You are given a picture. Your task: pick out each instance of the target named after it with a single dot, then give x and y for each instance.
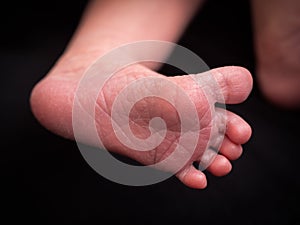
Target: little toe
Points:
(192, 177)
(230, 150)
(220, 166)
(237, 129)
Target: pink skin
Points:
(277, 37)
(52, 98)
(52, 101)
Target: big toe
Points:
(231, 84)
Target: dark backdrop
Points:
(44, 179)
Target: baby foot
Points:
(52, 101)
(277, 37)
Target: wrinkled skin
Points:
(52, 102)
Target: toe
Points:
(237, 130)
(234, 83)
(192, 177)
(231, 150)
(220, 166)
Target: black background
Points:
(44, 179)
